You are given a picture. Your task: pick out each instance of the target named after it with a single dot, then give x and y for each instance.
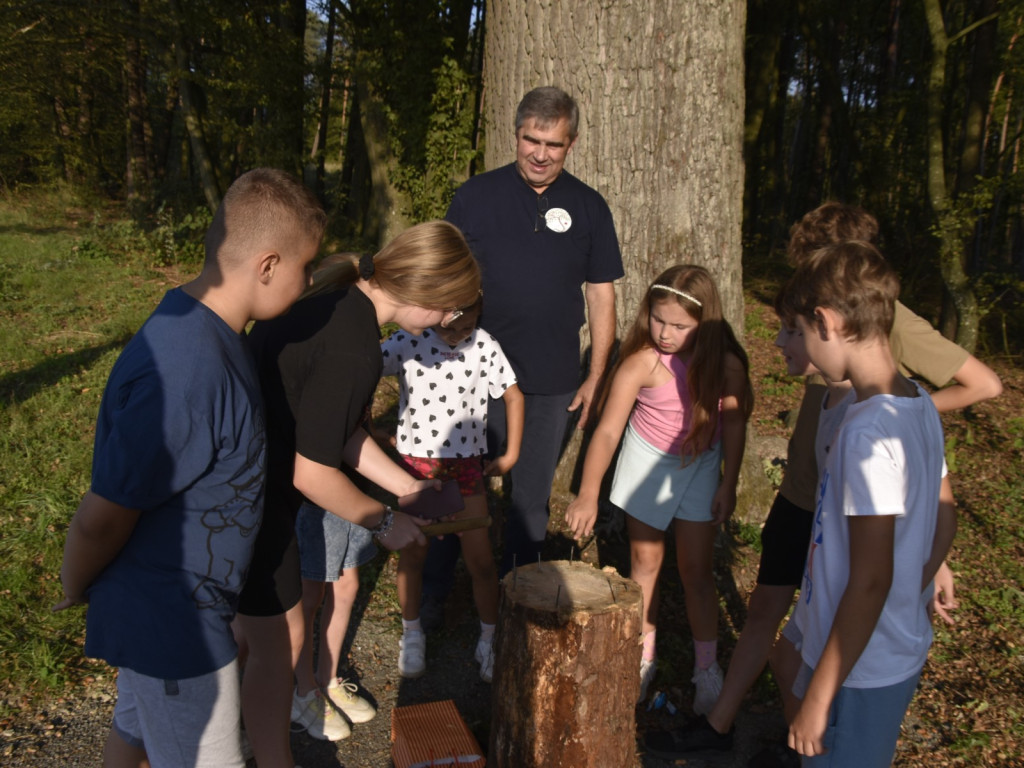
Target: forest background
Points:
(131, 117)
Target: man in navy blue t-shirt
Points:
(540, 236)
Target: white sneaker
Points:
(344, 696)
(647, 670)
(321, 721)
(412, 656)
(485, 658)
(709, 686)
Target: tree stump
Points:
(567, 668)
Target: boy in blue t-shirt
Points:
(160, 544)
(881, 526)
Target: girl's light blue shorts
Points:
(656, 488)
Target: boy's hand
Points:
(500, 465)
(807, 731)
(580, 516)
(944, 599)
(69, 602)
(723, 504)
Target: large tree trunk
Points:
(660, 89)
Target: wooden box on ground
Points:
(567, 668)
(432, 734)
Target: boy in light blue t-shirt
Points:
(861, 626)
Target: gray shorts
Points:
(328, 544)
(655, 488)
(195, 721)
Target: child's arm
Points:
(975, 382)
(366, 457)
(515, 410)
(734, 439)
(98, 532)
(945, 531)
(871, 566)
(581, 514)
(330, 488)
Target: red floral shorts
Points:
(469, 473)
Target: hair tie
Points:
(677, 292)
(366, 266)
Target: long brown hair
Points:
(715, 339)
(428, 265)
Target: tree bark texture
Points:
(660, 89)
(566, 672)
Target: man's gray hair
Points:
(548, 105)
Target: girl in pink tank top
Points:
(681, 393)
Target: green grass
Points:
(755, 326)
(72, 291)
(774, 384)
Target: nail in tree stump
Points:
(567, 668)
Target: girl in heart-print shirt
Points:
(446, 376)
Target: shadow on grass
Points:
(18, 387)
(24, 229)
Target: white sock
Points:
(411, 626)
(486, 631)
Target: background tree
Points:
(161, 102)
(660, 88)
(910, 110)
(412, 65)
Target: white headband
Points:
(677, 292)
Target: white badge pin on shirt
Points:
(558, 220)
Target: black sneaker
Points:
(775, 756)
(696, 736)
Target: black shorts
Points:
(274, 584)
(784, 540)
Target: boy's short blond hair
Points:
(851, 278)
(264, 208)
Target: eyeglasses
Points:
(541, 222)
(453, 315)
